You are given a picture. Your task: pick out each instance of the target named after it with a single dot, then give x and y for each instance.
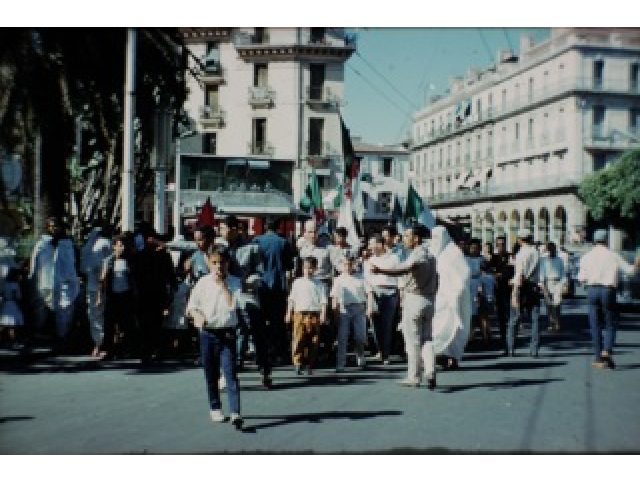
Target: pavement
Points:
(556, 403)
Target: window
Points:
(316, 81)
(490, 144)
(449, 155)
(478, 147)
(384, 203)
(598, 69)
(317, 35)
(545, 81)
(315, 136)
(598, 121)
(634, 122)
(260, 35)
(259, 136)
(599, 161)
(634, 77)
(212, 59)
(412, 160)
(209, 141)
(212, 97)
(479, 109)
(387, 164)
(440, 159)
(260, 75)
(517, 131)
(323, 182)
(530, 131)
(530, 93)
(490, 105)
(432, 187)
(504, 100)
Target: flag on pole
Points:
(312, 199)
(345, 219)
(397, 214)
(416, 210)
(206, 215)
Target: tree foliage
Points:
(613, 193)
(53, 79)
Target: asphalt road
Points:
(556, 403)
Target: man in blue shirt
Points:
(277, 262)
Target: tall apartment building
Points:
(507, 147)
(269, 93)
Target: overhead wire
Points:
(374, 87)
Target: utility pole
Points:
(128, 179)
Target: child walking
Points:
(307, 308)
(349, 303)
(213, 305)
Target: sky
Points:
(394, 70)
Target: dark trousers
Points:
(150, 321)
(503, 308)
(273, 303)
(529, 310)
(602, 318)
(252, 324)
(120, 318)
(383, 321)
(218, 351)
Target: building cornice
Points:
(295, 52)
(204, 34)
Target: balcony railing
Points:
(319, 95)
(260, 149)
(261, 96)
(212, 72)
(211, 116)
(245, 39)
(322, 149)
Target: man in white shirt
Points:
(383, 298)
(349, 301)
(599, 270)
(525, 299)
(213, 305)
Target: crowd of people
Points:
(419, 296)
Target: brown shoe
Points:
(599, 364)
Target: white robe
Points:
(452, 317)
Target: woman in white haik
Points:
(452, 317)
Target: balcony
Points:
(261, 97)
(320, 150)
(260, 149)
(212, 117)
(244, 39)
(212, 72)
(322, 97)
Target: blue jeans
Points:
(252, 323)
(218, 350)
(383, 321)
(602, 301)
(530, 312)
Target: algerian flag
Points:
(416, 210)
(396, 213)
(312, 198)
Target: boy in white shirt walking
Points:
(307, 309)
(212, 306)
(349, 303)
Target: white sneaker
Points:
(222, 383)
(217, 416)
(361, 361)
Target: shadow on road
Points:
(511, 365)
(319, 417)
(355, 378)
(16, 418)
(498, 385)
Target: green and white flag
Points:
(417, 210)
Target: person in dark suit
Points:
(277, 262)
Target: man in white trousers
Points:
(420, 285)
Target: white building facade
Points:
(271, 93)
(507, 147)
(383, 174)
